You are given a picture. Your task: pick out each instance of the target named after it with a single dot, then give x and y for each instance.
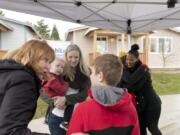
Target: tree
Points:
(55, 33)
(42, 29)
(165, 50)
(1, 13)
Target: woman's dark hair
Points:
(134, 50)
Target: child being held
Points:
(56, 86)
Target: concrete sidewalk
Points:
(38, 125)
(169, 120)
(170, 115)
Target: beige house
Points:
(158, 49)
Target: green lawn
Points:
(163, 83)
(41, 109)
(166, 83)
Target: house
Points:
(14, 33)
(158, 49)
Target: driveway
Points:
(169, 120)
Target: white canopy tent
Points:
(117, 15)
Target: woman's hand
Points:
(59, 102)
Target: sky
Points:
(62, 26)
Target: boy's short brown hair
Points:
(110, 66)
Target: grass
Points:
(164, 84)
(41, 109)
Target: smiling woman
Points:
(79, 82)
(137, 79)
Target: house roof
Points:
(27, 24)
(74, 29)
(90, 29)
(4, 26)
(175, 30)
(78, 28)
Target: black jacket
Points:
(82, 83)
(19, 91)
(138, 81)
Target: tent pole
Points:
(94, 44)
(129, 40)
(122, 42)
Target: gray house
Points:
(14, 33)
(158, 49)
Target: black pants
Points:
(49, 109)
(53, 124)
(149, 119)
(68, 113)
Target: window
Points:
(127, 46)
(141, 42)
(122, 47)
(102, 44)
(153, 45)
(160, 45)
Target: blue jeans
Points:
(53, 123)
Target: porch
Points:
(105, 41)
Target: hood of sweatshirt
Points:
(9, 65)
(114, 98)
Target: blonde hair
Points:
(30, 53)
(83, 67)
(110, 66)
(53, 64)
(66, 68)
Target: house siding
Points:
(112, 47)
(85, 43)
(28, 34)
(173, 61)
(71, 37)
(11, 40)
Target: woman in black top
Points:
(137, 79)
(20, 74)
(78, 79)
